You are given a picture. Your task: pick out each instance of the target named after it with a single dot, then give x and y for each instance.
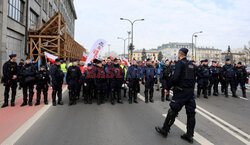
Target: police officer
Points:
(203, 73)
(10, 80)
(73, 80)
(229, 77)
(183, 81)
(166, 73)
(43, 81)
(149, 76)
(116, 82)
(214, 79)
(29, 77)
(241, 78)
(133, 81)
(57, 82)
(100, 81)
(125, 69)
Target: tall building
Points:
(151, 53)
(17, 17)
(208, 53)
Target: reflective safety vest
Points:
(63, 68)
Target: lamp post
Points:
(132, 31)
(124, 43)
(195, 45)
(193, 42)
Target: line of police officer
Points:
(103, 80)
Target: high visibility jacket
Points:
(125, 70)
(64, 68)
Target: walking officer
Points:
(73, 80)
(133, 81)
(149, 75)
(88, 82)
(28, 73)
(183, 81)
(43, 81)
(100, 82)
(10, 70)
(241, 78)
(57, 76)
(166, 73)
(229, 77)
(214, 79)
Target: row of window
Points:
(16, 10)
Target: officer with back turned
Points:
(203, 73)
(183, 81)
(57, 82)
(73, 80)
(10, 80)
(166, 73)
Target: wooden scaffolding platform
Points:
(53, 38)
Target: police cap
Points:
(184, 50)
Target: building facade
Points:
(151, 53)
(17, 17)
(207, 53)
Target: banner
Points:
(95, 51)
(50, 57)
(84, 56)
(126, 61)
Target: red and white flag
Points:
(50, 57)
(84, 56)
(126, 61)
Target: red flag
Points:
(50, 57)
(84, 56)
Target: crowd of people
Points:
(106, 80)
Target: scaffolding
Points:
(53, 38)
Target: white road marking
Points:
(27, 125)
(212, 119)
(224, 128)
(182, 126)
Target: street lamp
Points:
(193, 42)
(132, 31)
(124, 43)
(195, 45)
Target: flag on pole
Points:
(95, 51)
(84, 56)
(50, 57)
(125, 61)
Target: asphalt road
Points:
(126, 124)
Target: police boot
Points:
(54, 98)
(6, 101)
(45, 95)
(151, 92)
(169, 121)
(190, 128)
(112, 97)
(205, 92)
(234, 93)
(119, 99)
(135, 97)
(198, 92)
(124, 93)
(146, 95)
(75, 95)
(99, 97)
(70, 97)
(38, 97)
(30, 98)
(13, 97)
(162, 95)
(130, 96)
(209, 92)
(60, 98)
(244, 92)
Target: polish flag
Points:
(84, 56)
(50, 57)
(126, 61)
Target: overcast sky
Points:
(223, 22)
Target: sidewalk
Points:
(19, 93)
(13, 118)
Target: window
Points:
(50, 10)
(33, 20)
(15, 9)
(44, 5)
